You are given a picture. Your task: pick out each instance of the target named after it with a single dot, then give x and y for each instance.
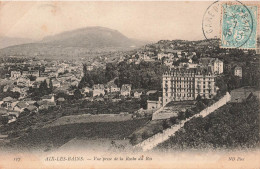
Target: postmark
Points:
(231, 24)
(238, 26)
(211, 21)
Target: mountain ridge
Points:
(75, 42)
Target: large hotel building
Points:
(186, 84)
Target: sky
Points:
(150, 21)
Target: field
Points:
(54, 137)
(89, 118)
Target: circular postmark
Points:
(231, 23)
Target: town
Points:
(159, 81)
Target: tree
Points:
(221, 84)
(198, 98)
(143, 101)
(173, 120)
(50, 85)
(165, 124)
(4, 120)
(145, 135)
(133, 139)
(32, 78)
(181, 115)
(77, 94)
(43, 86)
(84, 69)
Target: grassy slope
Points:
(232, 126)
(58, 135)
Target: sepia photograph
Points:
(129, 84)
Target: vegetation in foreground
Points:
(233, 126)
(53, 137)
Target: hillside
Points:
(233, 126)
(11, 41)
(80, 42)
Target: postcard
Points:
(129, 84)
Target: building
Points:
(22, 81)
(137, 94)
(15, 74)
(160, 56)
(98, 89)
(43, 104)
(114, 88)
(216, 64)
(238, 71)
(90, 67)
(56, 83)
(186, 84)
(5, 89)
(126, 89)
(151, 104)
(9, 102)
(241, 94)
(48, 98)
(31, 73)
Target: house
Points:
(241, 94)
(137, 94)
(98, 89)
(5, 89)
(90, 67)
(126, 89)
(55, 83)
(160, 56)
(23, 81)
(15, 74)
(21, 106)
(48, 98)
(151, 104)
(114, 88)
(238, 71)
(31, 73)
(31, 108)
(218, 66)
(43, 104)
(60, 99)
(9, 103)
(87, 89)
(74, 83)
(151, 92)
(16, 89)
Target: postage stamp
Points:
(238, 26)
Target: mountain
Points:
(11, 41)
(79, 42)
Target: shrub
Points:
(133, 139)
(173, 120)
(165, 124)
(145, 135)
(181, 115)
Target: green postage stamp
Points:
(239, 26)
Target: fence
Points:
(153, 141)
